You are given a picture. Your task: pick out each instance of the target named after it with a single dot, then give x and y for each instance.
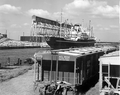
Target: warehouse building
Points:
(32, 38)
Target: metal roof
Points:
(111, 58)
(71, 54)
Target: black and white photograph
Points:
(59, 47)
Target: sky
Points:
(16, 16)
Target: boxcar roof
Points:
(111, 58)
(72, 53)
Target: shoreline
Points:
(20, 47)
(12, 72)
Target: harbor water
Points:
(11, 56)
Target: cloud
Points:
(107, 11)
(105, 28)
(6, 9)
(95, 8)
(15, 26)
(25, 24)
(110, 27)
(101, 28)
(1, 26)
(38, 12)
(77, 4)
(114, 26)
(57, 15)
(76, 7)
(4, 22)
(98, 25)
(7, 13)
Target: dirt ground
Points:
(21, 85)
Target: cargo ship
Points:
(63, 35)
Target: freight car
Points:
(75, 69)
(110, 74)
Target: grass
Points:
(12, 72)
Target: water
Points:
(11, 55)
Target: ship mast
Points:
(90, 28)
(82, 22)
(60, 22)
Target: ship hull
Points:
(61, 43)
